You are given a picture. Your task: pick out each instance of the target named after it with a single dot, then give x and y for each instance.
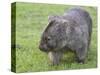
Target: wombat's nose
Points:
(42, 48)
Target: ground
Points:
(31, 20)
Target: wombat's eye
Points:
(46, 39)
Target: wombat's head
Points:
(53, 37)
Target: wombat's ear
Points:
(50, 18)
(51, 23)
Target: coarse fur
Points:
(69, 31)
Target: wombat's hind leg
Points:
(55, 57)
(81, 55)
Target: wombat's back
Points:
(80, 16)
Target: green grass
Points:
(31, 20)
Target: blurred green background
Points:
(31, 20)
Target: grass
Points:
(31, 20)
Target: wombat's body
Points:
(70, 31)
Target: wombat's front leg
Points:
(55, 57)
(81, 54)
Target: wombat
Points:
(71, 31)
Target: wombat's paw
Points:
(80, 61)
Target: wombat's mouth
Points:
(44, 49)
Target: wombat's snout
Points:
(43, 48)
